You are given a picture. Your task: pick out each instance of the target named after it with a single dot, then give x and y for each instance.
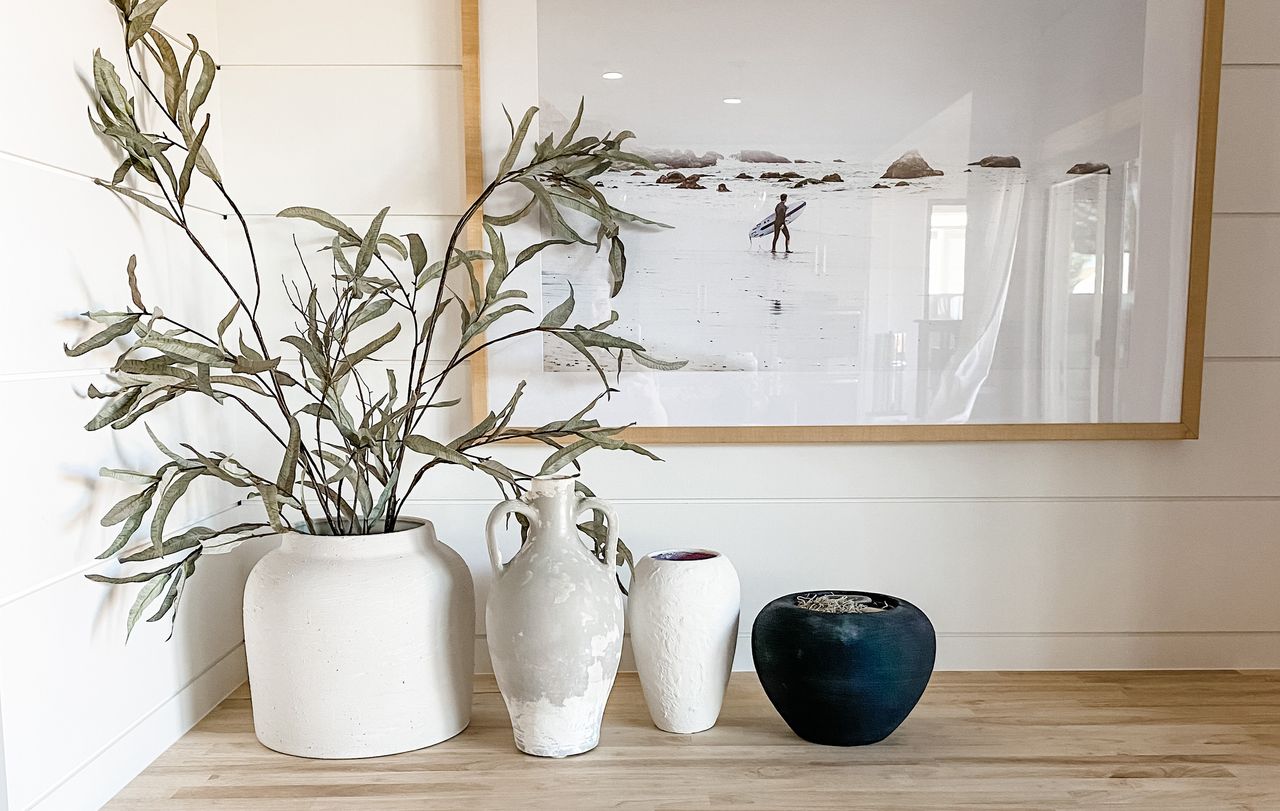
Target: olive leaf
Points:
(429, 447)
(145, 597)
(350, 360)
(174, 86)
(417, 254)
(107, 83)
(140, 19)
(558, 315)
(103, 337)
(617, 265)
(196, 353)
(645, 359)
(370, 243)
(204, 84)
(226, 321)
(132, 271)
(369, 311)
(139, 198)
(517, 141)
(565, 455)
(193, 158)
(323, 218)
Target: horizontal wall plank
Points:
(1248, 164)
(975, 568)
(55, 464)
(106, 772)
(334, 32)
(1213, 650)
(199, 17)
(77, 239)
(1244, 288)
(1238, 454)
(348, 140)
(52, 468)
(1249, 32)
(51, 689)
(48, 48)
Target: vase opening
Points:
(553, 485)
(844, 602)
(322, 529)
(685, 555)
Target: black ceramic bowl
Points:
(843, 679)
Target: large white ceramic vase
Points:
(683, 615)
(360, 645)
(554, 621)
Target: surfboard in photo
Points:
(765, 226)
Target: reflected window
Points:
(1086, 235)
(945, 272)
(1084, 267)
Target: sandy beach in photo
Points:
(703, 292)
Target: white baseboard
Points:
(1119, 650)
(109, 770)
(1087, 650)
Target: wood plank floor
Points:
(1187, 740)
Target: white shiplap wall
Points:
(1025, 555)
(81, 713)
(1124, 554)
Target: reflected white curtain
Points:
(991, 237)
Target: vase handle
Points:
(499, 514)
(611, 537)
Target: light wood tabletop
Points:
(1187, 740)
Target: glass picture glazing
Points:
(883, 212)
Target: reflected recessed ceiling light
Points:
(733, 100)
(613, 74)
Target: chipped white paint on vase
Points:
(360, 645)
(554, 620)
(683, 615)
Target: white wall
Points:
(82, 713)
(1026, 555)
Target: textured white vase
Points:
(683, 615)
(360, 646)
(554, 622)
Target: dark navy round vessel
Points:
(843, 679)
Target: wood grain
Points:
(1202, 216)
(478, 366)
(978, 740)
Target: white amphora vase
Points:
(683, 615)
(360, 645)
(554, 621)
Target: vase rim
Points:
(696, 555)
(404, 526)
(552, 484)
(789, 601)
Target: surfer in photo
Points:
(780, 225)
(776, 223)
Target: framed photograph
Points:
(892, 220)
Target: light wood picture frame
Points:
(490, 54)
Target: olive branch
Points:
(351, 453)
